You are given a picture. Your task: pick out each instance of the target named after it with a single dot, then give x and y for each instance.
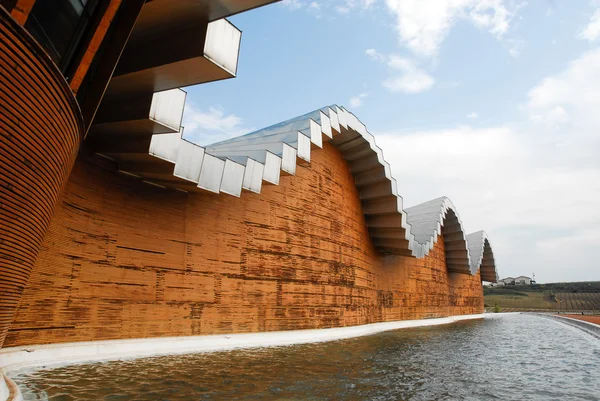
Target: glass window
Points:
(59, 26)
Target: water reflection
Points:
(516, 357)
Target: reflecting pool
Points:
(503, 357)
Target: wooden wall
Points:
(125, 260)
(40, 130)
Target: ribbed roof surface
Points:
(482, 256)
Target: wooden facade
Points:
(123, 259)
(88, 254)
(40, 131)
(42, 126)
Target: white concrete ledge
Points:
(4, 391)
(589, 327)
(18, 358)
(9, 391)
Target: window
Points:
(59, 26)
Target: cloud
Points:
(533, 184)
(209, 126)
(340, 6)
(405, 76)
(515, 47)
(293, 4)
(490, 15)
(592, 31)
(357, 101)
(367, 3)
(472, 115)
(360, 4)
(342, 9)
(375, 55)
(570, 99)
(422, 25)
(410, 82)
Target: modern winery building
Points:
(112, 226)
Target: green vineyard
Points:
(559, 297)
(578, 301)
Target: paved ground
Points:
(588, 318)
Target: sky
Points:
(493, 103)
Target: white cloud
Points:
(339, 6)
(362, 4)
(533, 185)
(472, 115)
(515, 47)
(491, 15)
(313, 5)
(411, 82)
(423, 25)
(214, 125)
(552, 117)
(405, 75)
(592, 31)
(499, 183)
(571, 96)
(342, 9)
(357, 101)
(293, 4)
(375, 55)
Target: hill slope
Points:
(558, 297)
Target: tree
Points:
(496, 308)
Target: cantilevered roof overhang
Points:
(158, 13)
(177, 43)
(203, 52)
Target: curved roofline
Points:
(437, 217)
(393, 230)
(483, 260)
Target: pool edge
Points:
(14, 359)
(9, 391)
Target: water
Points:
(509, 357)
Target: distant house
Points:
(523, 280)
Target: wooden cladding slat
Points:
(126, 260)
(40, 131)
(21, 10)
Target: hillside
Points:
(559, 297)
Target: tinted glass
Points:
(58, 25)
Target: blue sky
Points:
(493, 103)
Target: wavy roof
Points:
(482, 256)
(243, 163)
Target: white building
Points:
(523, 280)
